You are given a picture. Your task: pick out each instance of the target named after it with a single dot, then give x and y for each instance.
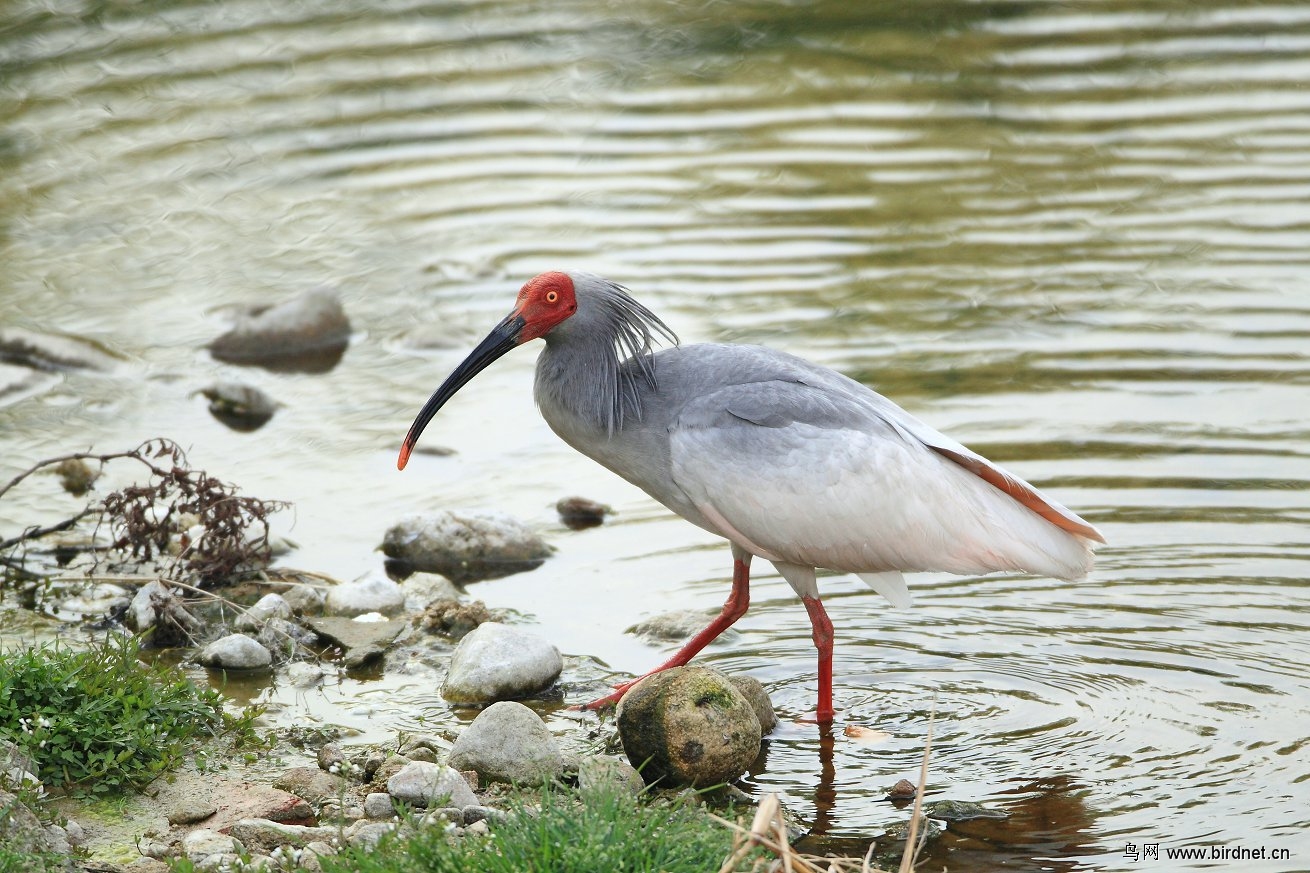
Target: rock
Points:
(304, 598)
(283, 638)
(688, 726)
(758, 698)
(377, 804)
(306, 334)
(203, 843)
(370, 594)
(673, 626)
(76, 476)
(14, 758)
(312, 784)
(156, 609)
(428, 742)
(904, 789)
(451, 618)
(262, 835)
(190, 810)
(268, 607)
(235, 652)
(331, 755)
(309, 857)
(303, 674)
(899, 832)
(52, 352)
(389, 767)
(21, 831)
(243, 408)
(360, 641)
(423, 784)
(99, 599)
(366, 835)
(604, 771)
(961, 810)
(424, 588)
(478, 827)
(499, 662)
(464, 546)
(508, 742)
(579, 512)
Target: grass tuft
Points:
(100, 721)
(604, 831)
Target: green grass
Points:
(607, 831)
(100, 721)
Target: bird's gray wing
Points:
(817, 475)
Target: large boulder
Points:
(688, 726)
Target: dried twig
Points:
(912, 841)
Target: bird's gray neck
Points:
(588, 384)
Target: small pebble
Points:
(902, 790)
(578, 513)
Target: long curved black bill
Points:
(502, 338)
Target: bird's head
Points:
(619, 326)
(542, 305)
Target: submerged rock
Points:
(688, 726)
(307, 334)
(76, 476)
(673, 626)
(241, 407)
(499, 662)
(508, 742)
(579, 512)
(961, 810)
(236, 652)
(464, 546)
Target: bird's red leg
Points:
(733, 609)
(823, 642)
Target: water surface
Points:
(1074, 237)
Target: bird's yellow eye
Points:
(552, 296)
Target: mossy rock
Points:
(688, 726)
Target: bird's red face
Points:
(543, 303)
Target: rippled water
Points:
(1076, 238)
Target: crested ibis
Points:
(786, 460)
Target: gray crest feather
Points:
(611, 340)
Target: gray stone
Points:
(899, 832)
(157, 609)
(499, 662)
(239, 406)
(422, 588)
(508, 742)
(306, 333)
(672, 626)
(304, 598)
(312, 784)
(361, 641)
(422, 783)
(365, 834)
(303, 674)
(378, 805)
(758, 698)
(430, 742)
(604, 772)
(49, 351)
(203, 843)
(14, 758)
(465, 546)
(235, 652)
(364, 596)
(262, 835)
(688, 726)
(98, 599)
(961, 810)
(331, 755)
(190, 810)
(267, 607)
